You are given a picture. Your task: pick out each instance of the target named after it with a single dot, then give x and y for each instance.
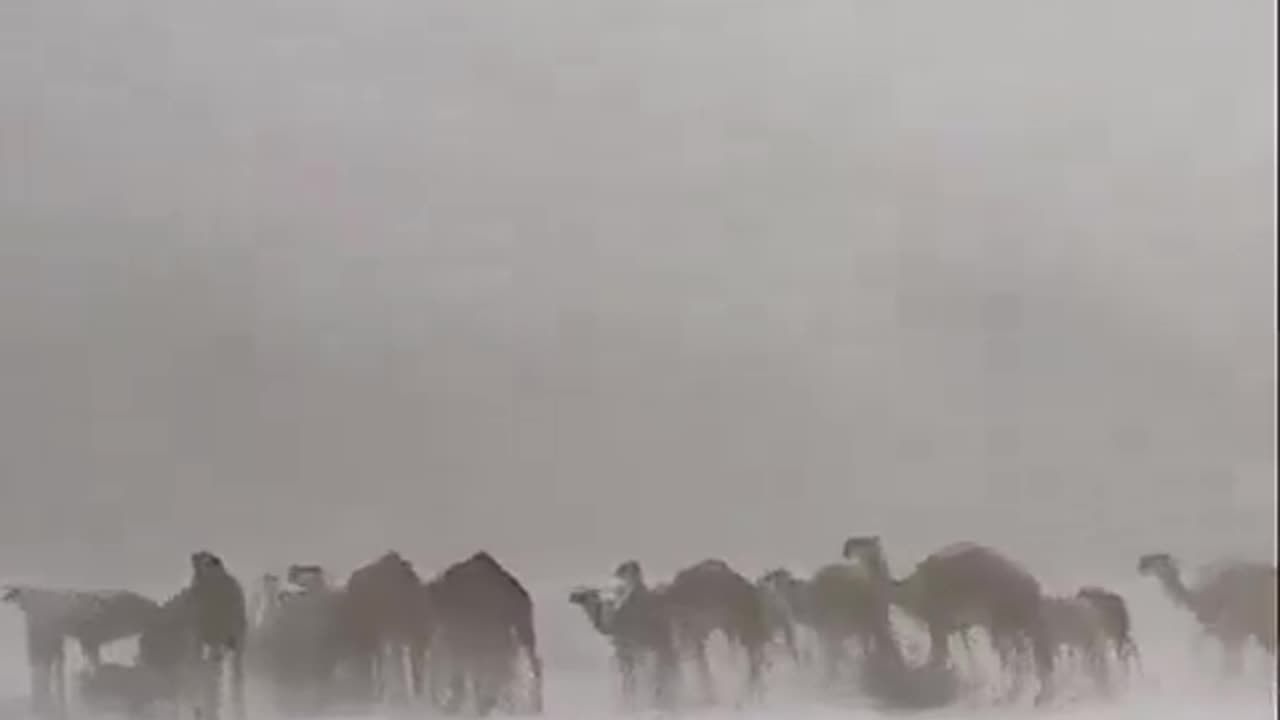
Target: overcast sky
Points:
(582, 280)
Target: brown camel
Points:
(92, 618)
(1233, 602)
(962, 586)
(482, 621)
(781, 595)
(1116, 625)
(195, 633)
(266, 600)
(708, 597)
(637, 623)
(221, 624)
(382, 610)
(300, 648)
(1078, 632)
(633, 642)
(840, 604)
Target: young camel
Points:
(1235, 602)
(1116, 625)
(962, 586)
(1077, 631)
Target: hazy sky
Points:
(577, 280)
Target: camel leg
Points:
(704, 672)
(1042, 653)
(92, 654)
(39, 689)
(627, 677)
(60, 686)
(238, 708)
(939, 653)
(755, 671)
(416, 664)
(1132, 658)
(833, 652)
(485, 684)
(1007, 653)
(1232, 656)
(457, 686)
(666, 675)
(213, 684)
(535, 669)
(789, 640)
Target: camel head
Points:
(584, 597)
(778, 578)
(307, 577)
(1161, 565)
(630, 574)
(780, 583)
(205, 564)
(599, 608)
(860, 547)
(270, 584)
(866, 551)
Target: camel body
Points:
(93, 618)
(1233, 602)
(968, 585)
(481, 622)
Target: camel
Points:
(707, 597)
(307, 578)
(1077, 629)
(780, 594)
(301, 646)
(220, 622)
(966, 585)
(266, 601)
(481, 621)
(382, 611)
(198, 631)
(1116, 624)
(1233, 602)
(637, 623)
(92, 618)
(839, 604)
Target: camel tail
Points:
(527, 638)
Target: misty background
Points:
(575, 281)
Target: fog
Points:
(578, 281)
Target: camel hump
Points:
(712, 576)
(839, 579)
(973, 555)
(971, 568)
(960, 549)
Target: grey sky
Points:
(577, 280)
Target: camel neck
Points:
(1178, 591)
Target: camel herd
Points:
(464, 640)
